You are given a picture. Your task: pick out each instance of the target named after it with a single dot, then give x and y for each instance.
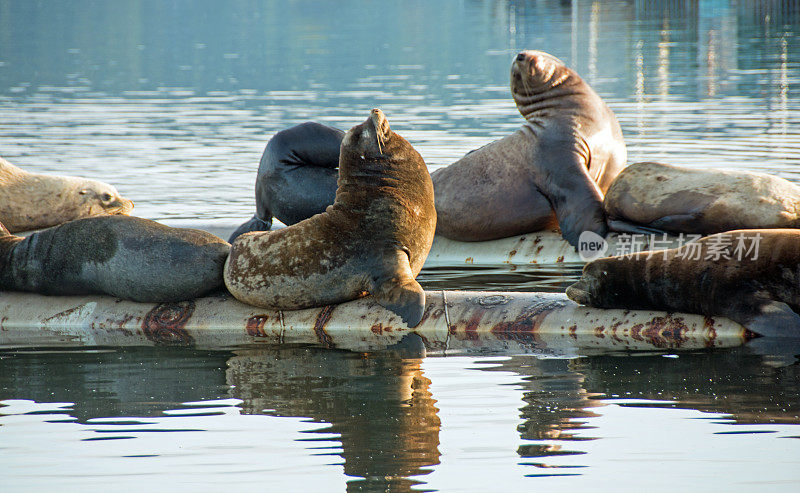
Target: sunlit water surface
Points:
(173, 103)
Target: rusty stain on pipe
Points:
(165, 324)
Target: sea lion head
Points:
(98, 198)
(595, 277)
(369, 139)
(534, 72)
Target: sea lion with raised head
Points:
(372, 240)
(749, 276)
(127, 257)
(30, 201)
(562, 159)
(704, 201)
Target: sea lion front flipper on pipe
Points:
(396, 290)
(573, 194)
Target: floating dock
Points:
(453, 321)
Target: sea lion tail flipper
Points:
(780, 327)
(622, 226)
(767, 318)
(677, 222)
(254, 224)
(396, 290)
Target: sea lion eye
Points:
(83, 192)
(106, 197)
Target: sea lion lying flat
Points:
(127, 257)
(562, 158)
(372, 240)
(683, 200)
(749, 276)
(31, 201)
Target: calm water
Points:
(173, 103)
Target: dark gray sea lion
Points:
(684, 200)
(297, 176)
(127, 257)
(749, 276)
(372, 240)
(30, 201)
(562, 159)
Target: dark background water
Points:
(173, 102)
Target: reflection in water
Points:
(560, 396)
(378, 410)
(530, 278)
(378, 403)
(113, 382)
(746, 386)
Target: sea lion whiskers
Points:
(380, 141)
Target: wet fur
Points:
(127, 257)
(761, 294)
(373, 239)
(30, 201)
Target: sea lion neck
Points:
(364, 176)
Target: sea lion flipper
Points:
(396, 289)
(677, 222)
(621, 226)
(573, 194)
(406, 300)
(254, 224)
(767, 318)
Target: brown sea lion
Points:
(562, 159)
(31, 201)
(127, 257)
(708, 201)
(749, 276)
(373, 239)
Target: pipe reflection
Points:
(561, 396)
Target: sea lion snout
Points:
(379, 123)
(370, 136)
(578, 293)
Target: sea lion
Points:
(127, 257)
(372, 240)
(749, 276)
(296, 177)
(31, 201)
(684, 200)
(562, 159)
